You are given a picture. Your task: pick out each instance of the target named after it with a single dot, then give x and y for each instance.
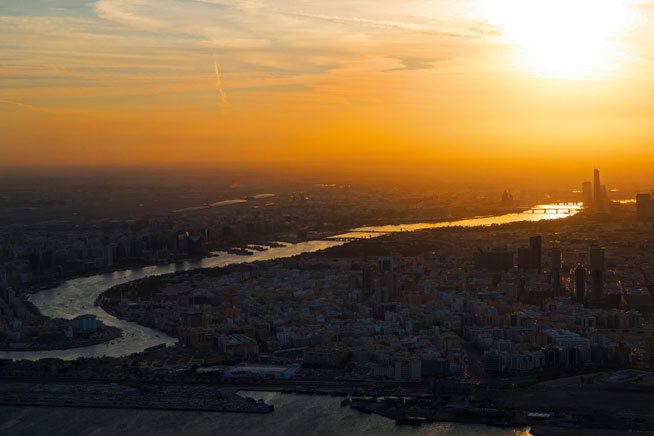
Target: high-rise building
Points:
(596, 258)
(641, 205)
(530, 257)
(644, 207)
(587, 193)
(536, 245)
(596, 188)
(597, 271)
(556, 272)
(507, 199)
(580, 284)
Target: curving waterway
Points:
(77, 296)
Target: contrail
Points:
(219, 85)
(28, 106)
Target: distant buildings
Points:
(507, 199)
(556, 272)
(594, 194)
(597, 191)
(644, 207)
(580, 284)
(334, 355)
(496, 260)
(86, 323)
(576, 347)
(259, 371)
(597, 270)
(530, 258)
(238, 346)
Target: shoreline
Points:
(245, 259)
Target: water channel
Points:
(77, 296)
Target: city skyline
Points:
(329, 218)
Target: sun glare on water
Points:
(561, 38)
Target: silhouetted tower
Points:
(597, 271)
(597, 193)
(536, 245)
(642, 203)
(556, 272)
(580, 284)
(507, 199)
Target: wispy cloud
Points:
(124, 11)
(400, 25)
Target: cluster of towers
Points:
(530, 258)
(596, 277)
(594, 193)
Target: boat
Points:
(275, 245)
(240, 252)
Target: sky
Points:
(453, 85)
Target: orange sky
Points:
(465, 83)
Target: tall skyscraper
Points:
(530, 257)
(645, 207)
(641, 205)
(536, 244)
(507, 199)
(556, 272)
(597, 193)
(580, 284)
(597, 271)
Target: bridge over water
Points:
(565, 208)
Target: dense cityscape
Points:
(443, 317)
(326, 218)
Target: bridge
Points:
(564, 208)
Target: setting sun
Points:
(569, 39)
(219, 216)
(430, 83)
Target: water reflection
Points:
(536, 213)
(77, 296)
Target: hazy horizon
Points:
(424, 177)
